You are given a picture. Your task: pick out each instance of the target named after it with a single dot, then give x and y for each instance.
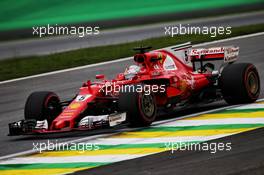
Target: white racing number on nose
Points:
(80, 98)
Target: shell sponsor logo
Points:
(68, 113)
(183, 85)
(74, 105)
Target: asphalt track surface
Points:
(14, 94)
(49, 45)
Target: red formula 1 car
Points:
(169, 78)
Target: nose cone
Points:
(60, 124)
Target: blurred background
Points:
(17, 17)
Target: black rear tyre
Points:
(141, 107)
(240, 83)
(42, 105)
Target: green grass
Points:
(25, 14)
(19, 67)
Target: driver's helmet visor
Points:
(131, 71)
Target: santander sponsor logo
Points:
(214, 50)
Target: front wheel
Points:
(141, 107)
(240, 83)
(42, 105)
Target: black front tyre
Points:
(240, 83)
(141, 107)
(42, 105)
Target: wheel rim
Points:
(148, 106)
(253, 83)
(52, 106)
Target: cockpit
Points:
(131, 72)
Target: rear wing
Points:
(189, 55)
(227, 53)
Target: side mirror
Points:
(100, 76)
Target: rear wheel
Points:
(140, 107)
(240, 83)
(42, 105)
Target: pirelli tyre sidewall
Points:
(140, 107)
(240, 83)
(42, 105)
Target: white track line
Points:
(72, 159)
(117, 141)
(32, 151)
(122, 59)
(230, 39)
(250, 106)
(225, 121)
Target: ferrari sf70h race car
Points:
(169, 79)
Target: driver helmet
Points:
(131, 72)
